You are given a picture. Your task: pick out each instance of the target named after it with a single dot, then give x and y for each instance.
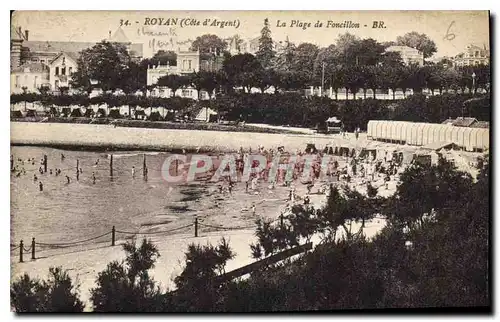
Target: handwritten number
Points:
(449, 35)
(124, 22)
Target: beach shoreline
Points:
(109, 138)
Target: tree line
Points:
(350, 63)
(289, 109)
(432, 253)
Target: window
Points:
(42, 60)
(189, 65)
(56, 84)
(184, 64)
(477, 54)
(57, 71)
(70, 70)
(63, 71)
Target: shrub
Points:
(127, 286)
(57, 294)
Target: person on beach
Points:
(133, 171)
(246, 186)
(81, 171)
(62, 157)
(40, 185)
(93, 178)
(50, 171)
(40, 170)
(68, 179)
(253, 209)
(309, 188)
(97, 162)
(35, 178)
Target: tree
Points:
(57, 294)
(196, 287)
(208, 44)
(241, 70)
(204, 80)
(354, 80)
(369, 52)
(284, 59)
(391, 58)
(106, 63)
(303, 59)
(127, 286)
(163, 57)
(418, 41)
(174, 82)
(265, 55)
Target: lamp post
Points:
(322, 78)
(474, 83)
(25, 90)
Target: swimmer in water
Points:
(97, 162)
(67, 178)
(62, 157)
(81, 171)
(133, 171)
(35, 177)
(93, 177)
(50, 171)
(40, 185)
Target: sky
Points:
(450, 30)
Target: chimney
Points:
(26, 35)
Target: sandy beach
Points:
(220, 214)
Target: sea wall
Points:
(93, 136)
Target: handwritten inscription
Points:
(449, 35)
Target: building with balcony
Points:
(409, 55)
(187, 62)
(29, 78)
(59, 58)
(473, 55)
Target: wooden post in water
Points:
(196, 227)
(113, 236)
(111, 165)
(144, 171)
(77, 170)
(45, 163)
(21, 246)
(33, 248)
